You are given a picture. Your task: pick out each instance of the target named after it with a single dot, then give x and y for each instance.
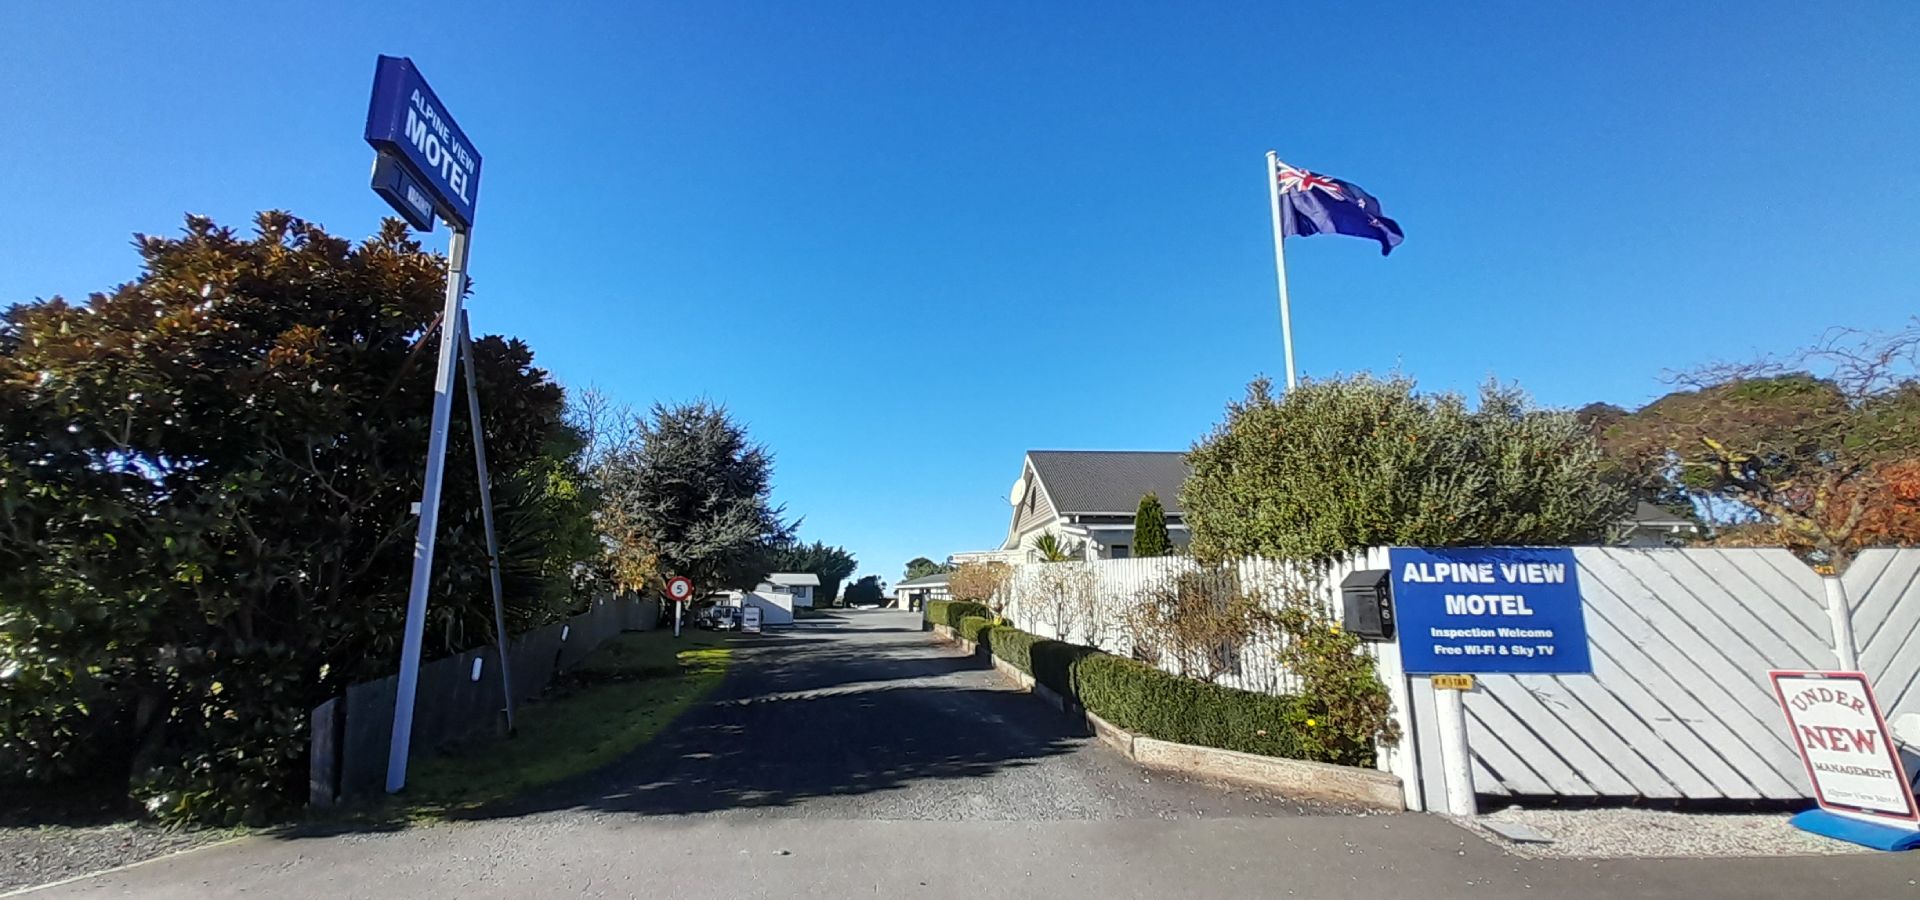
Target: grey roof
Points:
(923, 581)
(1645, 513)
(1110, 481)
(794, 578)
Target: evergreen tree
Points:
(1150, 528)
(920, 567)
(867, 590)
(696, 491)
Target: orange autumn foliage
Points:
(1892, 518)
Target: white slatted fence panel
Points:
(1678, 705)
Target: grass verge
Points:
(614, 701)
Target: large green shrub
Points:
(206, 475)
(1338, 465)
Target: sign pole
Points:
(486, 516)
(1280, 261)
(416, 627)
(1456, 765)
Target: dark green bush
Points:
(1334, 465)
(1143, 699)
(1140, 698)
(950, 612)
(973, 628)
(205, 479)
(1052, 663)
(934, 612)
(1013, 645)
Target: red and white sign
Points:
(1844, 741)
(679, 589)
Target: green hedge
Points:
(972, 627)
(1148, 701)
(1012, 644)
(934, 612)
(1143, 699)
(950, 612)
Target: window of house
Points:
(1120, 551)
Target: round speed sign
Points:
(679, 589)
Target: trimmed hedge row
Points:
(950, 612)
(1148, 701)
(971, 627)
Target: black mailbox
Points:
(1367, 604)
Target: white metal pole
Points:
(416, 627)
(486, 516)
(1456, 765)
(1280, 261)
(1841, 617)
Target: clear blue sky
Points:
(906, 242)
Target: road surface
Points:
(857, 757)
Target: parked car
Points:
(719, 618)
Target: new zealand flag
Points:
(1313, 204)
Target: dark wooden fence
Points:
(454, 701)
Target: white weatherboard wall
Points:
(1678, 705)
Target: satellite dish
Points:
(1019, 491)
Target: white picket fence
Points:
(1678, 705)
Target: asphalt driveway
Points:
(863, 716)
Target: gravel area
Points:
(1655, 834)
(40, 854)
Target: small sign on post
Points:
(679, 591)
(1452, 682)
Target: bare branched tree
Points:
(1196, 622)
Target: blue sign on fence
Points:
(1489, 611)
(406, 121)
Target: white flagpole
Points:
(1280, 261)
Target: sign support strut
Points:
(486, 517)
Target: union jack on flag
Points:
(1311, 203)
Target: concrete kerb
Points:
(1291, 777)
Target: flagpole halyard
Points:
(1280, 262)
